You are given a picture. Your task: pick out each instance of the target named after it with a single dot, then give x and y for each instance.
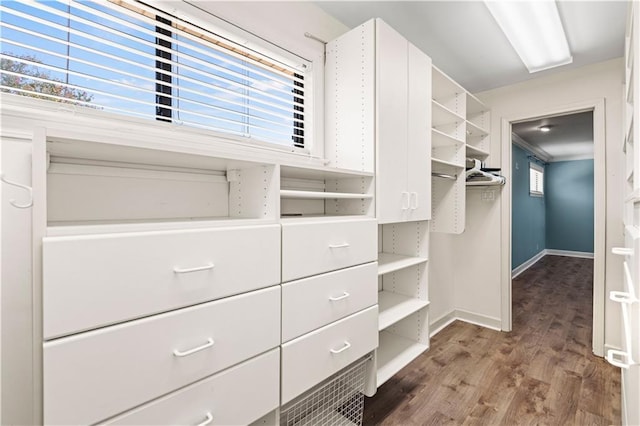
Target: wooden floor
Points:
(543, 372)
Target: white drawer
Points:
(309, 359)
(310, 248)
(313, 302)
(236, 396)
(95, 375)
(91, 281)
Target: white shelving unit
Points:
(325, 192)
(402, 296)
(628, 357)
(460, 130)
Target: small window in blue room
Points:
(536, 180)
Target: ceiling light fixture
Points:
(544, 129)
(534, 30)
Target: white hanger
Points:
(12, 201)
(475, 171)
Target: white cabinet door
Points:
(391, 105)
(419, 135)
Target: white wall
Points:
(597, 81)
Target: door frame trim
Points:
(600, 210)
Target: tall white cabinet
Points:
(628, 357)
(389, 79)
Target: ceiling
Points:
(465, 42)
(570, 137)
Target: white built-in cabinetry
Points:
(170, 273)
(460, 130)
(378, 89)
(628, 356)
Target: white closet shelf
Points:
(390, 262)
(475, 131)
(634, 197)
(474, 106)
(630, 85)
(56, 229)
(317, 195)
(441, 115)
(395, 352)
(393, 307)
(443, 85)
(314, 172)
(449, 164)
(475, 152)
(440, 138)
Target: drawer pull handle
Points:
(414, 200)
(344, 296)
(208, 420)
(405, 200)
(622, 251)
(196, 269)
(621, 297)
(343, 245)
(615, 357)
(194, 350)
(346, 346)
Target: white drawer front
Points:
(91, 281)
(313, 302)
(236, 396)
(308, 360)
(310, 248)
(95, 375)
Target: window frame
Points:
(534, 189)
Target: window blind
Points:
(536, 179)
(127, 57)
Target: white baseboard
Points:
(569, 253)
(528, 264)
(548, 252)
(436, 326)
(477, 319)
(461, 315)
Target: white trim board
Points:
(528, 264)
(569, 253)
(465, 316)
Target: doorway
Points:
(596, 111)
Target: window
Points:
(126, 57)
(536, 180)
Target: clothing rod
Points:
(445, 176)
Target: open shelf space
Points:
(317, 195)
(390, 262)
(439, 138)
(442, 166)
(473, 152)
(394, 307)
(395, 352)
(441, 115)
(475, 131)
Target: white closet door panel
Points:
(310, 248)
(313, 302)
(308, 360)
(419, 135)
(95, 375)
(90, 281)
(236, 396)
(391, 121)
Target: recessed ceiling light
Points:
(534, 30)
(544, 129)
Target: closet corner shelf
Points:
(634, 197)
(442, 115)
(437, 161)
(475, 152)
(394, 353)
(390, 262)
(317, 195)
(473, 130)
(394, 307)
(441, 138)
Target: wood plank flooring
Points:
(543, 372)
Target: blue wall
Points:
(569, 200)
(528, 215)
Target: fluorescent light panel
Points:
(534, 30)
